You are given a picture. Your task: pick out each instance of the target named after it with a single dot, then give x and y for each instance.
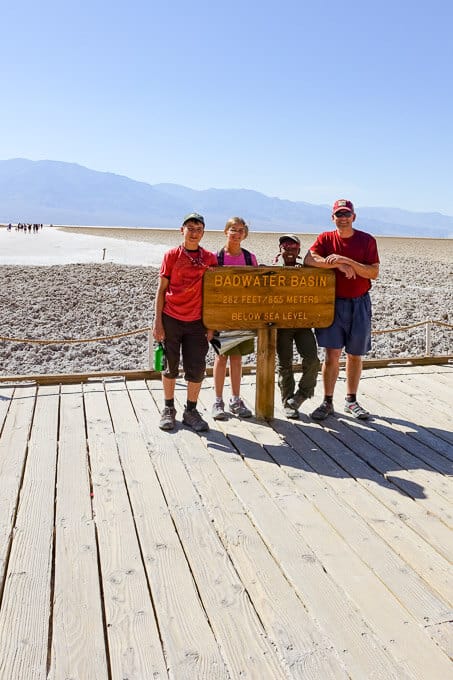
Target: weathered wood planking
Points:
(18, 406)
(190, 646)
(231, 615)
(133, 640)
(78, 646)
(26, 600)
(388, 621)
(281, 549)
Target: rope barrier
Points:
(414, 325)
(73, 341)
(140, 331)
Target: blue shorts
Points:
(351, 327)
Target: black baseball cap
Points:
(196, 217)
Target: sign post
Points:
(264, 299)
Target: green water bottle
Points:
(159, 357)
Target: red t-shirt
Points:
(360, 247)
(184, 269)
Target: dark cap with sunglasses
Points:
(342, 204)
(193, 217)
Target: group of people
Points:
(352, 254)
(25, 227)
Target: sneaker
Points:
(354, 409)
(238, 407)
(295, 401)
(292, 413)
(324, 410)
(218, 410)
(167, 418)
(194, 420)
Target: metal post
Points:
(428, 339)
(150, 351)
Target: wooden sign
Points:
(260, 297)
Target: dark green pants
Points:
(305, 342)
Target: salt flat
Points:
(50, 246)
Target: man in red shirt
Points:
(354, 256)
(178, 320)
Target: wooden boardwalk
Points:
(256, 550)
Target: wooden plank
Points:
(432, 384)
(190, 647)
(6, 397)
(265, 375)
(407, 433)
(426, 525)
(315, 446)
(411, 591)
(78, 643)
(25, 611)
(13, 451)
(399, 434)
(134, 646)
(238, 630)
(359, 648)
(420, 486)
(437, 427)
(398, 631)
(395, 458)
(71, 378)
(300, 643)
(412, 386)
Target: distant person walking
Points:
(236, 230)
(178, 321)
(303, 338)
(354, 256)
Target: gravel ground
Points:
(92, 300)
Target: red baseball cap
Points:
(342, 204)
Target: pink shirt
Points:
(238, 260)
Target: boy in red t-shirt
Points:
(178, 321)
(354, 256)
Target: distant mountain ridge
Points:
(54, 192)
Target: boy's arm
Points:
(158, 328)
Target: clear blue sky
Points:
(303, 100)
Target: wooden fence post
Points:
(265, 372)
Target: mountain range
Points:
(54, 192)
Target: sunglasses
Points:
(343, 213)
(289, 245)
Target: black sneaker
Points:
(194, 420)
(292, 413)
(168, 418)
(295, 401)
(325, 409)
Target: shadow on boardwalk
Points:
(256, 550)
